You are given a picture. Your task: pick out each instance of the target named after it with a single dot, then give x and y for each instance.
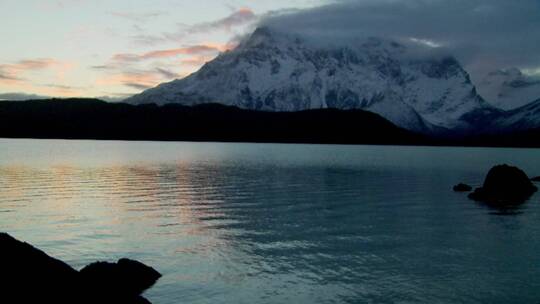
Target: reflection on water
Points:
(236, 223)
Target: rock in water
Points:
(31, 276)
(536, 179)
(126, 277)
(462, 188)
(505, 185)
(28, 272)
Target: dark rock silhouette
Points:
(462, 188)
(31, 276)
(505, 186)
(126, 277)
(536, 179)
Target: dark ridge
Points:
(96, 119)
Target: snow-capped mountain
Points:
(274, 71)
(509, 89)
(523, 118)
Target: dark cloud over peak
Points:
(484, 35)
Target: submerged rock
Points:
(536, 179)
(462, 188)
(31, 276)
(505, 185)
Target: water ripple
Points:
(302, 224)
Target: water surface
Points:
(265, 223)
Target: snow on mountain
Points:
(509, 89)
(523, 118)
(274, 71)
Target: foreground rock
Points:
(505, 186)
(127, 277)
(462, 188)
(31, 276)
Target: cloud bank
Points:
(485, 35)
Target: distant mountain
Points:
(523, 118)
(274, 71)
(509, 89)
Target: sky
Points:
(116, 48)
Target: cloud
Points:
(189, 50)
(135, 79)
(137, 86)
(138, 79)
(484, 35)
(237, 18)
(101, 67)
(12, 72)
(144, 70)
(6, 76)
(166, 73)
(196, 49)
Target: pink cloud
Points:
(190, 50)
(197, 49)
(11, 73)
(138, 79)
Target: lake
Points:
(270, 223)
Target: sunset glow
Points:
(102, 49)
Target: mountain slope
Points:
(273, 71)
(523, 118)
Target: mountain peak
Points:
(261, 35)
(275, 71)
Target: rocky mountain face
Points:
(509, 89)
(273, 71)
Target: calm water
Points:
(254, 223)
